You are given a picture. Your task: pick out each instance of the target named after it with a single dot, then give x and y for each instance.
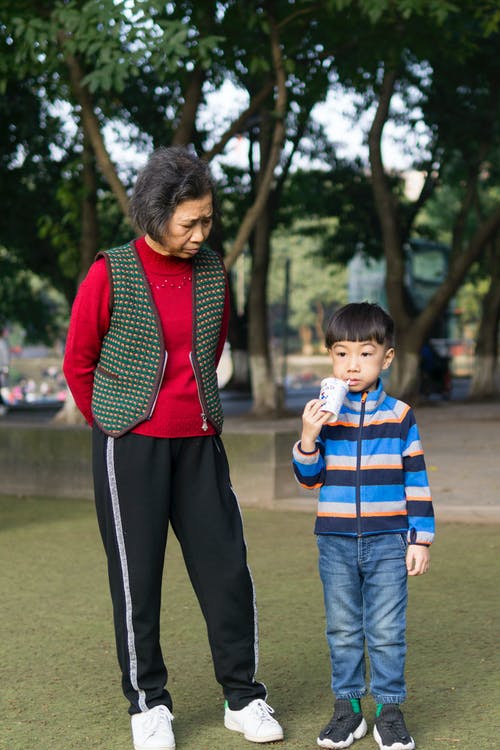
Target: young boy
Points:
(374, 525)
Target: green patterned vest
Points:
(128, 375)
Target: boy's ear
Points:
(388, 357)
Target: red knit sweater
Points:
(178, 411)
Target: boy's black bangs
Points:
(358, 331)
(360, 322)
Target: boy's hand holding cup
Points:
(324, 409)
(332, 394)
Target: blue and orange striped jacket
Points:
(370, 468)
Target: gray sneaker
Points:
(390, 730)
(344, 727)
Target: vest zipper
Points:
(159, 385)
(358, 462)
(204, 418)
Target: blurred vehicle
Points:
(435, 370)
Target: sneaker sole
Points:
(396, 746)
(276, 737)
(163, 747)
(356, 735)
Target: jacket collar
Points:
(373, 399)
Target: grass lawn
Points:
(60, 686)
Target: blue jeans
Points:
(365, 591)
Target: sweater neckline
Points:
(162, 264)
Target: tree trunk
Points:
(184, 133)
(69, 413)
(273, 154)
(412, 330)
(89, 239)
(483, 383)
(387, 207)
(267, 396)
(404, 380)
(306, 340)
(319, 325)
(240, 377)
(238, 341)
(265, 392)
(404, 377)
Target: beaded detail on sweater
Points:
(171, 282)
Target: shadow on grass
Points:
(60, 682)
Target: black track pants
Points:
(141, 484)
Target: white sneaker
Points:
(152, 730)
(255, 722)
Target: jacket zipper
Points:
(358, 462)
(159, 385)
(204, 418)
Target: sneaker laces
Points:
(342, 715)
(262, 710)
(394, 721)
(155, 719)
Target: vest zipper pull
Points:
(204, 425)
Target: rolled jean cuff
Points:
(393, 699)
(352, 695)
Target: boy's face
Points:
(360, 362)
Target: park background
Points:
(355, 145)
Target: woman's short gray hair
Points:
(170, 176)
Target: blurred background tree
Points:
(89, 87)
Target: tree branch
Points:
(470, 200)
(185, 130)
(428, 188)
(239, 124)
(299, 134)
(456, 273)
(274, 155)
(384, 201)
(92, 129)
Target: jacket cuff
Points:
(304, 457)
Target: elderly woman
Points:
(147, 329)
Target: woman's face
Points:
(187, 228)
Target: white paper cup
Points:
(333, 392)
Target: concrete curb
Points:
(460, 441)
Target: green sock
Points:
(379, 709)
(356, 707)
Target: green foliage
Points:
(30, 301)
(138, 59)
(115, 40)
(374, 10)
(468, 301)
(343, 193)
(317, 287)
